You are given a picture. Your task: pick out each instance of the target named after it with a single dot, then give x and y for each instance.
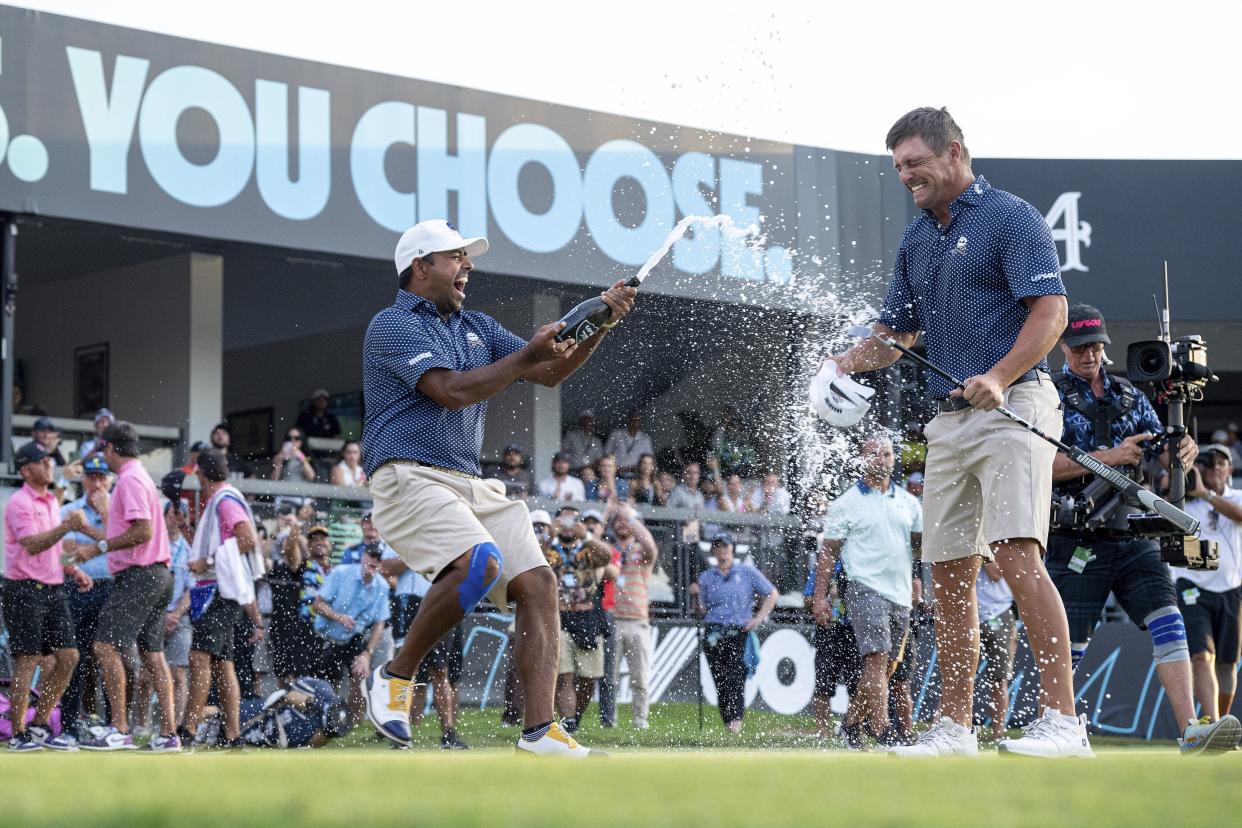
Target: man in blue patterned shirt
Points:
(429, 368)
(977, 273)
(1111, 419)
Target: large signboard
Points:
(1117, 222)
(106, 124)
(1116, 684)
(110, 124)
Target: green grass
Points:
(669, 775)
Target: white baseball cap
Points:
(541, 516)
(433, 236)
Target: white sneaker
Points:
(1204, 737)
(556, 742)
(102, 737)
(1052, 735)
(388, 704)
(946, 738)
(44, 736)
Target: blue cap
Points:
(104, 412)
(95, 465)
(43, 424)
(723, 537)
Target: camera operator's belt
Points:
(454, 472)
(951, 404)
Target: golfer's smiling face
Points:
(931, 179)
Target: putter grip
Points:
(1174, 515)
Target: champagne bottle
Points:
(584, 319)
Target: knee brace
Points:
(1168, 635)
(478, 583)
(1226, 678)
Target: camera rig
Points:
(1174, 373)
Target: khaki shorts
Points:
(988, 479)
(582, 663)
(431, 518)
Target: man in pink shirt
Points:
(35, 607)
(136, 543)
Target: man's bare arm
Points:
(871, 354)
(456, 390)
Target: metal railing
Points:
(776, 545)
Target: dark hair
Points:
(123, 438)
(404, 277)
(214, 465)
(373, 551)
(935, 126)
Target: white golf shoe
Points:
(946, 738)
(1051, 736)
(556, 742)
(388, 704)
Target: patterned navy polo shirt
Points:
(963, 285)
(403, 342)
(1079, 432)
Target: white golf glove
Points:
(837, 399)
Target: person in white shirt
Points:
(562, 485)
(629, 444)
(581, 444)
(770, 498)
(876, 528)
(998, 641)
(349, 471)
(1210, 599)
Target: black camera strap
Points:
(1101, 414)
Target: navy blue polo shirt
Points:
(402, 343)
(962, 285)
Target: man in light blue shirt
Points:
(875, 527)
(350, 610)
(84, 607)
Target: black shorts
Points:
(1131, 570)
(904, 671)
(1212, 621)
(836, 660)
(215, 628)
(446, 654)
(134, 612)
(37, 615)
(336, 657)
(294, 647)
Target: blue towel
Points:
(750, 656)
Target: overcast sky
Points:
(1051, 78)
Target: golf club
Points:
(1132, 492)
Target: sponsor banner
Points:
(167, 134)
(1116, 684)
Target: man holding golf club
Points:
(977, 273)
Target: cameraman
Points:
(1111, 419)
(1210, 599)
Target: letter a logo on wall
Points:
(1073, 233)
